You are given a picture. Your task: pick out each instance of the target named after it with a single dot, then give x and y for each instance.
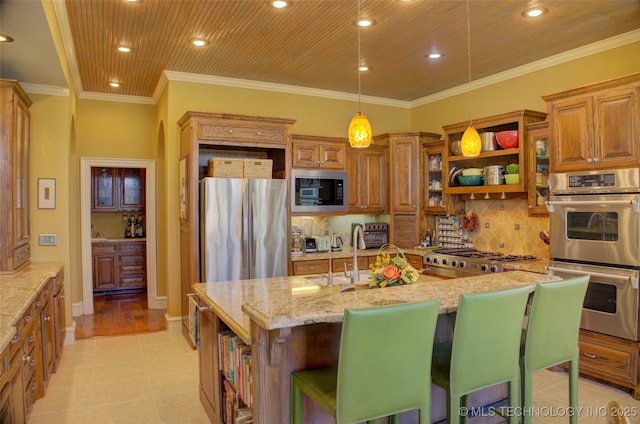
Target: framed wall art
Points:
(46, 193)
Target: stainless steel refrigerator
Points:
(243, 229)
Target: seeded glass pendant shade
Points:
(359, 128)
(471, 145)
(359, 131)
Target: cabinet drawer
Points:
(103, 247)
(310, 267)
(132, 281)
(613, 363)
(415, 261)
(22, 255)
(131, 248)
(131, 261)
(220, 131)
(338, 264)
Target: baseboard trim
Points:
(70, 334)
(157, 302)
(76, 309)
(174, 324)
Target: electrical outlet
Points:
(47, 240)
(516, 227)
(501, 206)
(487, 225)
(501, 245)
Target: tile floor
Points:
(144, 378)
(152, 378)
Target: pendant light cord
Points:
(469, 61)
(359, 61)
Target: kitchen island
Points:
(292, 323)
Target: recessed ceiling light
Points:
(114, 84)
(279, 4)
(363, 68)
(365, 22)
(124, 49)
(199, 42)
(534, 12)
(4, 38)
(434, 55)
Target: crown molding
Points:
(107, 97)
(67, 42)
(281, 88)
(568, 56)
(48, 90)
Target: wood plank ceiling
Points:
(314, 43)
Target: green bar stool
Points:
(383, 368)
(552, 335)
(485, 349)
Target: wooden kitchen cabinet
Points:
(119, 266)
(406, 183)
(117, 189)
(537, 173)
(59, 317)
(321, 266)
(209, 373)
(596, 126)
(104, 258)
(47, 331)
(15, 121)
(317, 152)
(367, 171)
(517, 120)
(610, 358)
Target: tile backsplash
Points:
(502, 226)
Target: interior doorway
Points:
(153, 301)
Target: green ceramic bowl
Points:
(513, 168)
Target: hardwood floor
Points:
(119, 314)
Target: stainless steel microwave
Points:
(316, 191)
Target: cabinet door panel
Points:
(617, 129)
(104, 272)
(352, 167)
(374, 188)
(573, 132)
(132, 182)
(332, 156)
(305, 156)
(105, 189)
(404, 157)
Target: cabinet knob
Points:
(590, 160)
(258, 132)
(47, 318)
(230, 131)
(530, 206)
(596, 160)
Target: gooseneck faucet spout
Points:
(358, 243)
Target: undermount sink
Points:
(339, 279)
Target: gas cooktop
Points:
(467, 262)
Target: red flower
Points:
(391, 272)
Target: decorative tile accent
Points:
(525, 241)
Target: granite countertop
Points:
(534, 265)
(284, 302)
(18, 290)
(118, 239)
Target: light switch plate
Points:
(47, 239)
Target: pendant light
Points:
(471, 145)
(359, 128)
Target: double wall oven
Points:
(595, 229)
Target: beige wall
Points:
(61, 136)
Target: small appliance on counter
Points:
(323, 243)
(336, 243)
(375, 234)
(296, 241)
(309, 245)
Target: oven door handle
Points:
(632, 280)
(551, 204)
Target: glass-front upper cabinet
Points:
(434, 200)
(538, 170)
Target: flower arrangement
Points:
(391, 270)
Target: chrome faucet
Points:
(358, 242)
(330, 276)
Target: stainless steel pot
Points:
(494, 175)
(488, 141)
